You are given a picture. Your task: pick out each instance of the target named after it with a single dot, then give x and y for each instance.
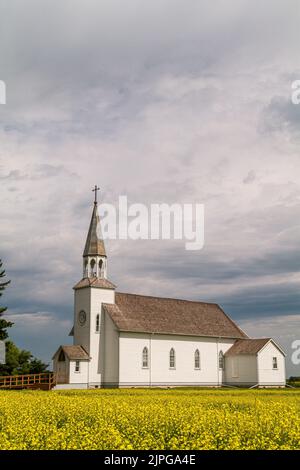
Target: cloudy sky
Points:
(185, 101)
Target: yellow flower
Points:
(175, 419)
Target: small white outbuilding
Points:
(258, 362)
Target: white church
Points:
(129, 340)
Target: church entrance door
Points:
(62, 372)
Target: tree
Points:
(4, 324)
(20, 362)
(37, 366)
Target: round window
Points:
(82, 317)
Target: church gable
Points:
(250, 346)
(73, 352)
(138, 313)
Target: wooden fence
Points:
(44, 381)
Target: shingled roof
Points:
(101, 283)
(94, 245)
(247, 346)
(139, 313)
(73, 352)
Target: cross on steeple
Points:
(95, 190)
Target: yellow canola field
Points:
(150, 419)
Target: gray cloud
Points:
(164, 101)
(14, 175)
(250, 177)
(281, 114)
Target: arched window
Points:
(197, 359)
(61, 356)
(93, 273)
(172, 358)
(100, 267)
(97, 323)
(145, 358)
(221, 360)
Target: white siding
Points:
(111, 352)
(267, 376)
(241, 370)
(159, 373)
(80, 377)
(98, 296)
(130, 359)
(90, 300)
(70, 386)
(82, 301)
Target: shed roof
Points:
(247, 346)
(73, 352)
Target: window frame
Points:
(172, 359)
(97, 326)
(93, 265)
(77, 367)
(274, 363)
(197, 359)
(100, 267)
(145, 353)
(221, 358)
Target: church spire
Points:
(94, 255)
(94, 244)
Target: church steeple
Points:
(94, 245)
(94, 255)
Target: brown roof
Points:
(247, 346)
(94, 245)
(94, 282)
(74, 352)
(139, 313)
